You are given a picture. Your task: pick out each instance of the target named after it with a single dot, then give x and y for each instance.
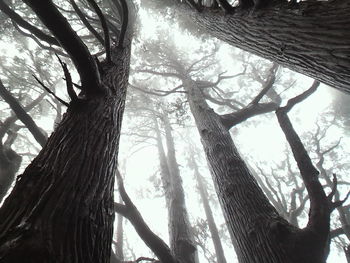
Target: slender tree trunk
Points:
(260, 234)
(181, 239)
(219, 251)
(120, 236)
(62, 208)
(294, 36)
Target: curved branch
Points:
(107, 42)
(23, 115)
(129, 210)
(70, 41)
(124, 18)
(21, 22)
(83, 19)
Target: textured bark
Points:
(219, 251)
(294, 36)
(259, 233)
(61, 209)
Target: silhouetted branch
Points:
(50, 92)
(129, 210)
(70, 41)
(23, 23)
(73, 96)
(83, 19)
(107, 42)
(23, 115)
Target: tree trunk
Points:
(219, 251)
(294, 36)
(62, 208)
(10, 162)
(120, 236)
(259, 234)
(181, 239)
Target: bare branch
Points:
(50, 92)
(73, 96)
(340, 202)
(156, 244)
(300, 97)
(70, 41)
(105, 29)
(23, 115)
(125, 17)
(83, 19)
(23, 23)
(270, 81)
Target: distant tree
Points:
(260, 234)
(219, 251)
(61, 208)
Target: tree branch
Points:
(129, 210)
(319, 204)
(234, 118)
(71, 42)
(107, 42)
(23, 23)
(23, 115)
(83, 19)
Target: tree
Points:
(260, 234)
(45, 218)
(219, 252)
(291, 33)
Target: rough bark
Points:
(62, 208)
(294, 36)
(247, 211)
(259, 233)
(219, 251)
(66, 193)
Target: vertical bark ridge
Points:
(247, 211)
(62, 208)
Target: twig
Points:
(50, 92)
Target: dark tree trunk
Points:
(62, 208)
(10, 162)
(219, 251)
(294, 36)
(259, 234)
(347, 253)
(181, 239)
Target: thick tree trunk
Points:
(62, 208)
(259, 234)
(219, 251)
(294, 36)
